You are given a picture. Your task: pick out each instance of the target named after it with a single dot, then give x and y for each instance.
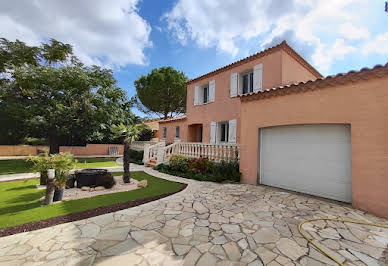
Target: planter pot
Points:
(58, 194)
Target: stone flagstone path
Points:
(207, 224)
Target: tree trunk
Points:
(53, 143)
(126, 159)
(50, 188)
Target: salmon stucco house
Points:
(291, 127)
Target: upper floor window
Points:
(164, 132)
(177, 132)
(204, 94)
(247, 82)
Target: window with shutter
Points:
(232, 131)
(258, 78)
(233, 84)
(212, 88)
(196, 95)
(213, 128)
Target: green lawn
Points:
(19, 199)
(23, 166)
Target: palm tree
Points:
(127, 133)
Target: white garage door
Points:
(314, 159)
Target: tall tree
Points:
(51, 94)
(162, 92)
(127, 133)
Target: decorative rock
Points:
(266, 235)
(142, 183)
(230, 228)
(85, 188)
(232, 251)
(99, 188)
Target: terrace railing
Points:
(214, 152)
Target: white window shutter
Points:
(196, 95)
(232, 131)
(212, 89)
(233, 84)
(213, 129)
(258, 78)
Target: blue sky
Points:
(135, 36)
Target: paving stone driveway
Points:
(206, 224)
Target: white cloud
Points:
(324, 56)
(378, 45)
(351, 32)
(309, 25)
(102, 32)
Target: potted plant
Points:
(41, 163)
(62, 163)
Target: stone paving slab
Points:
(207, 224)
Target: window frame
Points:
(249, 74)
(177, 132)
(203, 94)
(164, 132)
(223, 131)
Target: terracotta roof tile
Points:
(338, 79)
(172, 119)
(283, 45)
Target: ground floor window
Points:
(164, 132)
(224, 131)
(177, 132)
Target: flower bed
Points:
(201, 169)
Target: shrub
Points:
(205, 170)
(223, 171)
(41, 163)
(179, 163)
(136, 156)
(200, 165)
(107, 180)
(62, 163)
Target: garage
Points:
(313, 159)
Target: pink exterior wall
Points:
(91, 149)
(293, 71)
(171, 125)
(224, 107)
(363, 105)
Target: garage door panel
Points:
(314, 159)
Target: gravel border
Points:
(71, 217)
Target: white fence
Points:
(214, 152)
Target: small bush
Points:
(204, 170)
(136, 156)
(107, 180)
(179, 163)
(200, 166)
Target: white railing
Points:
(214, 152)
(139, 145)
(151, 151)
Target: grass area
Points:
(23, 166)
(19, 200)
